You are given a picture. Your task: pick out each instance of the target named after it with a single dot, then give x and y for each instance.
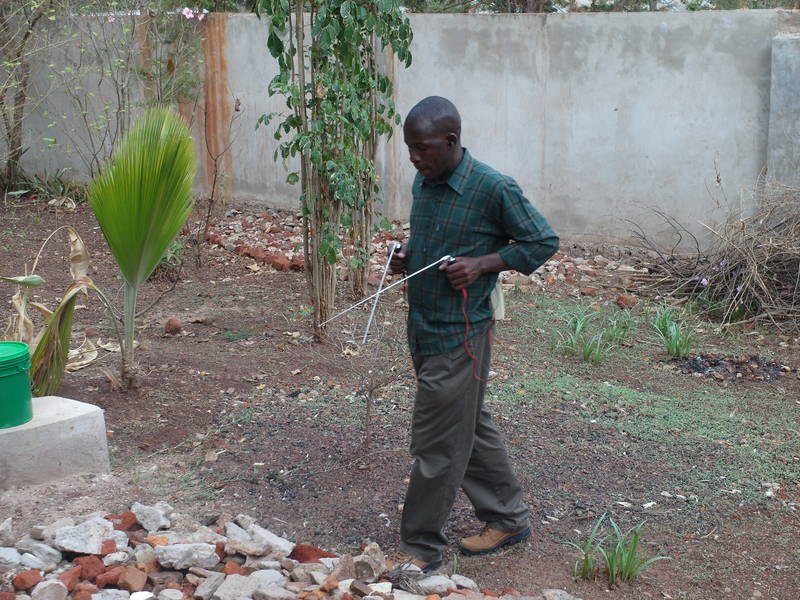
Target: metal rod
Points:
(395, 246)
(445, 258)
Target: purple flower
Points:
(187, 12)
(111, 18)
(704, 281)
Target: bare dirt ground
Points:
(243, 412)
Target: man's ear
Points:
(452, 139)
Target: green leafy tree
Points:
(339, 103)
(141, 200)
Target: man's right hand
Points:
(398, 263)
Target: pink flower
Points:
(704, 281)
(111, 18)
(200, 17)
(187, 12)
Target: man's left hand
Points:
(463, 272)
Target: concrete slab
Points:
(63, 438)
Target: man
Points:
(465, 209)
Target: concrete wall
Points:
(600, 117)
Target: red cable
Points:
(464, 297)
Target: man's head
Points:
(432, 132)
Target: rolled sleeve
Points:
(534, 240)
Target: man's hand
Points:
(463, 272)
(398, 263)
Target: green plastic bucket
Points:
(15, 385)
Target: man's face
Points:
(429, 151)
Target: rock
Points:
(304, 553)
(245, 521)
(278, 547)
(268, 577)
(50, 590)
(91, 567)
(153, 518)
(235, 587)
(303, 572)
(435, 584)
(345, 568)
(626, 300)
(110, 577)
(29, 561)
(142, 596)
(10, 558)
(557, 595)
(234, 568)
(403, 595)
(183, 556)
(37, 532)
(112, 595)
(587, 291)
(464, 583)
(7, 533)
(170, 594)
(235, 533)
(359, 588)
(273, 592)
(71, 577)
(8, 596)
(116, 558)
(384, 587)
(109, 546)
(132, 579)
(255, 563)
(49, 532)
(86, 538)
(209, 585)
(123, 521)
(27, 579)
(370, 564)
(205, 535)
(49, 556)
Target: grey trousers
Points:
(455, 444)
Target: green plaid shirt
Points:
(476, 211)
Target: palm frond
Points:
(143, 198)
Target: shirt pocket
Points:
(485, 239)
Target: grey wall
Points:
(600, 117)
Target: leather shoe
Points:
(489, 540)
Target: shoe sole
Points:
(429, 568)
(514, 539)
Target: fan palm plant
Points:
(141, 200)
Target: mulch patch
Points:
(732, 368)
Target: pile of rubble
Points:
(155, 553)
(275, 238)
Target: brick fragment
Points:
(8, 596)
(587, 291)
(626, 300)
(82, 596)
(157, 540)
(359, 588)
(85, 586)
(330, 584)
(123, 521)
(91, 567)
(219, 548)
(27, 579)
(108, 547)
(71, 577)
(234, 568)
(305, 553)
(110, 577)
(132, 579)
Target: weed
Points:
(570, 341)
(677, 338)
(586, 565)
(622, 558)
(595, 348)
(170, 265)
(235, 336)
(619, 327)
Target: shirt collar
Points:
(458, 178)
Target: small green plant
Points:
(586, 565)
(622, 558)
(621, 554)
(570, 341)
(676, 336)
(170, 265)
(664, 316)
(595, 348)
(619, 327)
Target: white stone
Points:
(403, 595)
(183, 556)
(64, 437)
(205, 535)
(259, 562)
(142, 596)
(329, 562)
(235, 587)
(558, 595)
(49, 556)
(208, 586)
(85, 538)
(120, 539)
(235, 533)
(278, 547)
(29, 561)
(384, 587)
(49, 590)
(435, 584)
(115, 558)
(49, 532)
(152, 518)
(464, 583)
(268, 577)
(273, 592)
(245, 521)
(113, 595)
(168, 594)
(9, 558)
(370, 564)
(7, 533)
